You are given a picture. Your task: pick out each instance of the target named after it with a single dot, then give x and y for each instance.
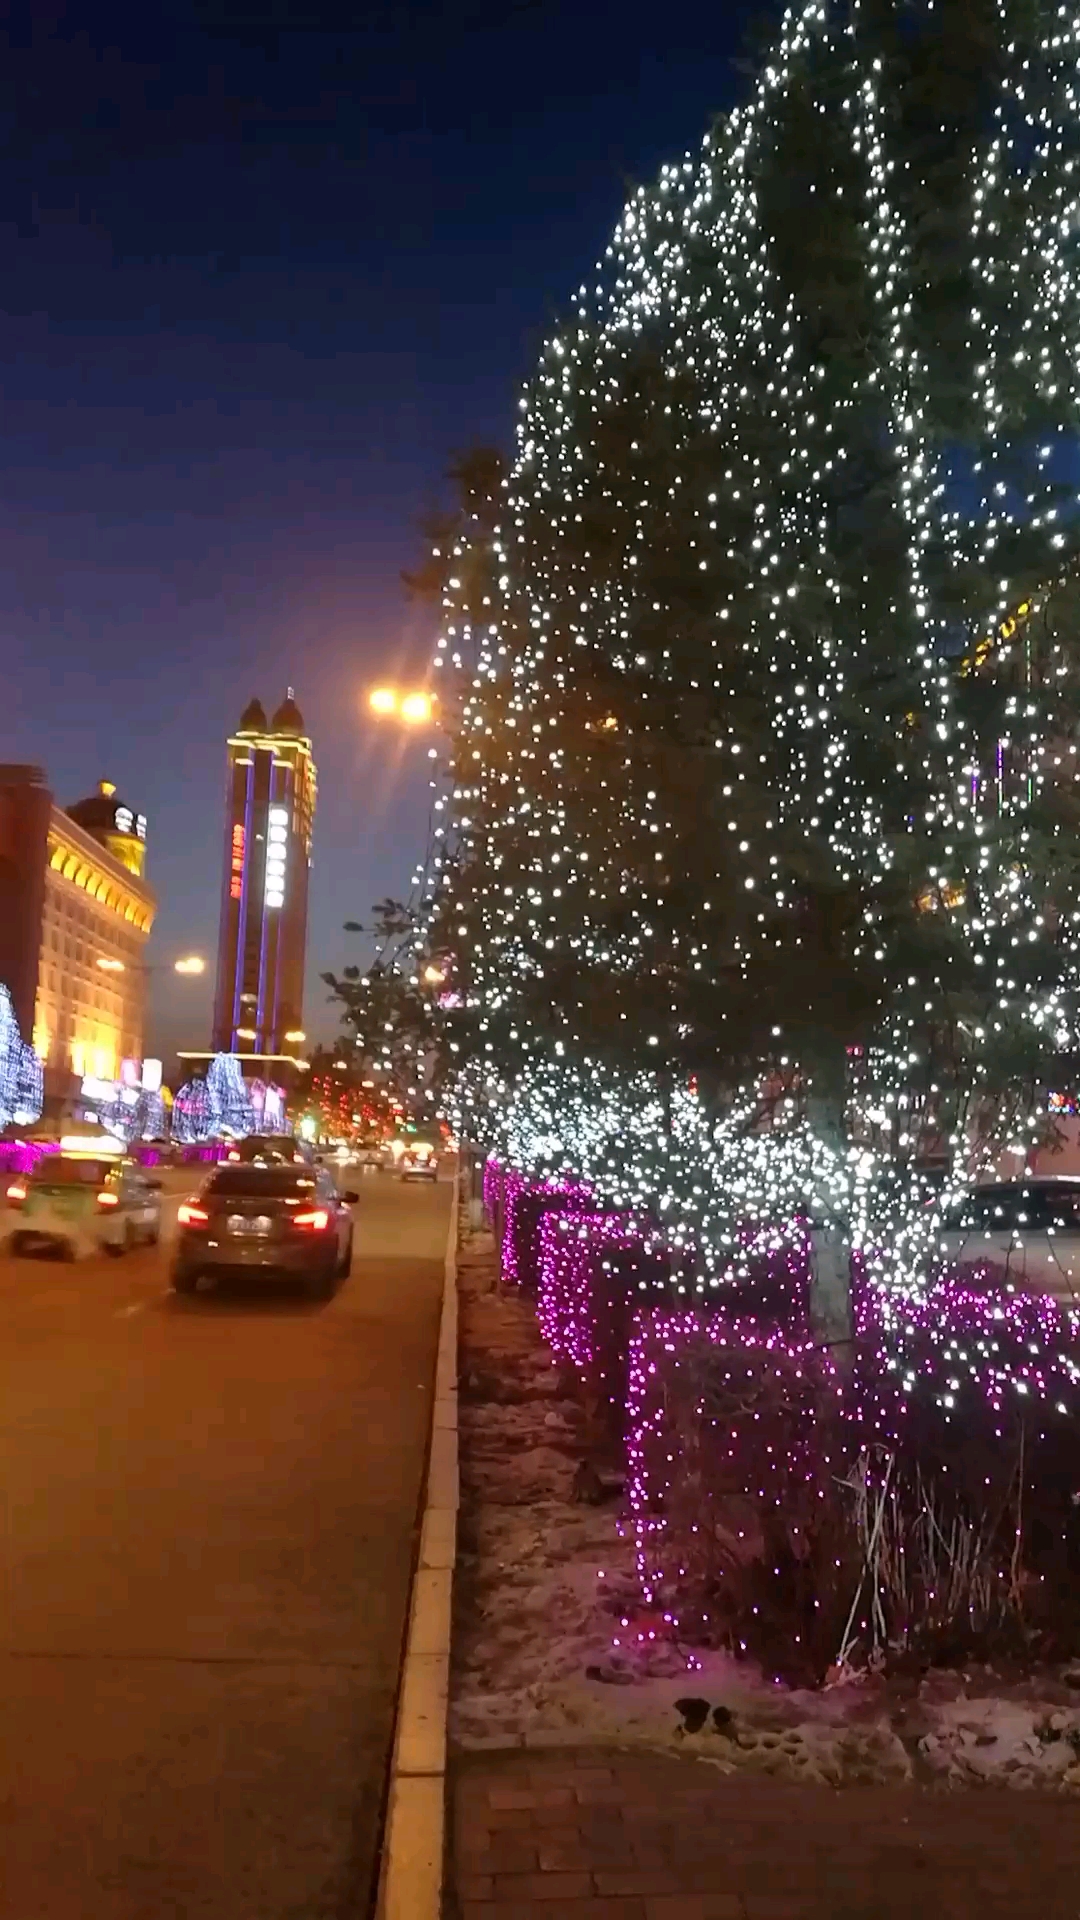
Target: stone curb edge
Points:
(410, 1884)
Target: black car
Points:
(277, 1220)
(268, 1149)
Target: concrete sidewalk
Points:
(591, 1835)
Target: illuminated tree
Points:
(391, 1006)
(766, 876)
(192, 1114)
(230, 1100)
(20, 1071)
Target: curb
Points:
(410, 1884)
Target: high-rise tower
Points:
(269, 815)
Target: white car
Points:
(419, 1162)
(1026, 1231)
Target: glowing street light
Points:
(434, 976)
(188, 963)
(412, 705)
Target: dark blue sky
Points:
(255, 290)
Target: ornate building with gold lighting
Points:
(96, 916)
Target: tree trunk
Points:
(830, 1244)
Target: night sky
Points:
(255, 291)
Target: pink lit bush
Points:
(922, 1506)
(595, 1269)
(524, 1204)
(734, 1439)
(925, 1504)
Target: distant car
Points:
(1026, 1231)
(269, 1149)
(77, 1204)
(277, 1220)
(418, 1162)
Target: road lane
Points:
(207, 1513)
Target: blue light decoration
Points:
(149, 1120)
(192, 1116)
(230, 1099)
(21, 1083)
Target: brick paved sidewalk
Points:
(601, 1836)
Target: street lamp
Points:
(412, 705)
(190, 963)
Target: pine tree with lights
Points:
(764, 785)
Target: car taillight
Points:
(316, 1222)
(106, 1198)
(188, 1215)
(16, 1193)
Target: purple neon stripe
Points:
(241, 924)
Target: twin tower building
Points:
(269, 816)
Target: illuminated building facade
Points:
(269, 817)
(96, 916)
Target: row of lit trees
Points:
(756, 888)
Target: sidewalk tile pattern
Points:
(614, 1836)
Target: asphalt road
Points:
(207, 1515)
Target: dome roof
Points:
(253, 718)
(103, 811)
(288, 718)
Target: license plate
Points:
(242, 1223)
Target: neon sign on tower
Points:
(269, 816)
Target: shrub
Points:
(924, 1508)
(595, 1270)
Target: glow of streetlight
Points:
(434, 976)
(191, 963)
(414, 706)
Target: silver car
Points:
(1026, 1231)
(76, 1203)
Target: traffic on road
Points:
(209, 1506)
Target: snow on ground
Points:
(544, 1580)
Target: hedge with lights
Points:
(815, 1523)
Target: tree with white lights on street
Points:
(765, 816)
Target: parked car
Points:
(1027, 1230)
(77, 1203)
(276, 1220)
(419, 1162)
